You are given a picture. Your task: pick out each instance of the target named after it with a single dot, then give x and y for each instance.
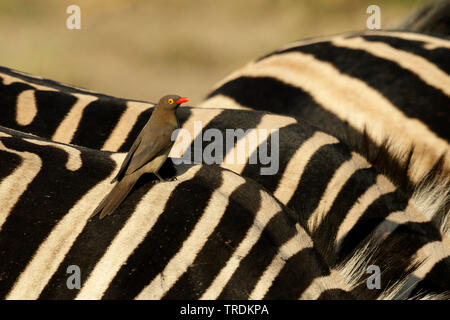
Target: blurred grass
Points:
(145, 49)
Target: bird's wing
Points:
(127, 159)
(149, 148)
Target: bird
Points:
(147, 154)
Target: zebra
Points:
(267, 255)
(330, 82)
(147, 265)
(271, 120)
(391, 86)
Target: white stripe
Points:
(130, 236)
(268, 122)
(205, 116)
(294, 170)
(321, 284)
(13, 186)
(67, 128)
(334, 187)
(268, 209)
(395, 219)
(381, 187)
(293, 246)
(26, 109)
(433, 252)
(125, 124)
(431, 42)
(178, 265)
(222, 102)
(344, 96)
(74, 161)
(54, 248)
(426, 70)
(7, 80)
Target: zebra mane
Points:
(369, 253)
(430, 194)
(432, 17)
(398, 164)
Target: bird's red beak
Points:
(182, 100)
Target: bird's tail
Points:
(115, 197)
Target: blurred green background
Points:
(145, 49)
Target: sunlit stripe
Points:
(268, 122)
(424, 69)
(130, 236)
(7, 80)
(54, 248)
(74, 161)
(67, 128)
(268, 209)
(431, 42)
(13, 186)
(26, 109)
(433, 252)
(334, 187)
(321, 284)
(297, 163)
(293, 246)
(396, 219)
(343, 96)
(222, 102)
(196, 240)
(203, 116)
(381, 187)
(125, 124)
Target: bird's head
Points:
(171, 102)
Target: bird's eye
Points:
(170, 101)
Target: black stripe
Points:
(315, 178)
(438, 56)
(270, 94)
(297, 274)
(50, 195)
(58, 86)
(396, 255)
(403, 88)
(227, 120)
(376, 213)
(9, 162)
(291, 137)
(220, 246)
(8, 98)
(180, 215)
(324, 236)
(52, 107)
(137, 127)
(335, 294)
(98, 121)
(437, 280)
(92, 243)
(250, 269)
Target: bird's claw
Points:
(164, 180)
